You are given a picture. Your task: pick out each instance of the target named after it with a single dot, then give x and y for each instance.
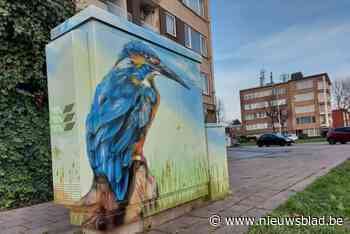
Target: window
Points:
(320, 85)
(201, 7)
(257, 126)
(279, 102)
(312, 132)
(204, 48)
(205, 83)
(304, 109)
(249, 117)
(261, 115)
(256, 105)
(321, 97)
(258, 94)
(306, 84)
(196, 5)
(195, 41)
(306, 120)
(264, 93)
(170, 24)
(248, 96)
(322, 109)
(188, 41)
(342, 130)
(279, 91)
(304, 97)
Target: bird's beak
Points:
(168, 73)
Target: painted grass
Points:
(179, 182)
(327, 196)
(220, 186)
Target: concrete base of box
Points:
(154, 220)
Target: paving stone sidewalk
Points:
(258, 184)
(261, 184)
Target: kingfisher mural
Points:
(123, 109)
(133, 141)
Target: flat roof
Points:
(283, 83)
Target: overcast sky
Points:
(282, 36)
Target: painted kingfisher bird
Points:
(123, 108)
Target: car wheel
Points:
(267, 145)
(289, 144)
(260, 145)
(343, 142)
(332, 141)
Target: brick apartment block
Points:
(304, 104)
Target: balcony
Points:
(149, 26)
(144, 13)
(150, 2)
(116, 8)
(150, 15)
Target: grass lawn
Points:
(250, 143)
(327, 196)
(311, 140)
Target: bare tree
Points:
(272, 113)
(276, 113)
(341, 94)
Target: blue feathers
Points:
(138, 47)
(119, 114)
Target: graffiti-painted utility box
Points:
(218, 171)
(127, 127)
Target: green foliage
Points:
(25, 159)
(327, 196)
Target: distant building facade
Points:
(186, 22)
(301, 105)
(341, 118)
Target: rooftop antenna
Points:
(284, 77)
(262, 77)
(271, 78)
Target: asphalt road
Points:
(250, 152)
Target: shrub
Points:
(25, 159)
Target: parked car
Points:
(273, 139)
(336, 135)
(293, 137)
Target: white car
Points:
(293, 137)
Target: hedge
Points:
(25, 158)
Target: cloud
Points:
(297, 41)
(312, 48)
